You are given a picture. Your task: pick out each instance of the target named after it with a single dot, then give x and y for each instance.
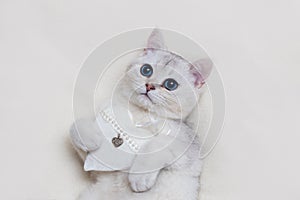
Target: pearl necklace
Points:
(121, 133)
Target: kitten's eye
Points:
(170, 84)
(146, 70)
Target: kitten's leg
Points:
(142, 182)
(176, 185)
(146, 167)
(85, 135)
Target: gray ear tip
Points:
(156, 39)
(205, 62)
(156, 30)
(204, 65)
(157, 34)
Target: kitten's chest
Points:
(126, 132)
(136, 122)
(146, 121)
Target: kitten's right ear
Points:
(201, 69)
(156, 40)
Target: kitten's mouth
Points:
(146, 95)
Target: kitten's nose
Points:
(149, 87)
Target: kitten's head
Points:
(165, 83)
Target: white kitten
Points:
(165, 87)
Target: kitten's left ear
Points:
(201, 69)
(156, 40)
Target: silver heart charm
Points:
(117, 141)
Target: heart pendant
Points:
(117, 141)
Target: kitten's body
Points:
(177, 178)
(178, 181)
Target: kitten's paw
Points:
(142, 182)
(85, 135)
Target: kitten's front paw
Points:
(142, 182)
(85, 135)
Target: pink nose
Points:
(149, 87)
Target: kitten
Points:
(165, 87)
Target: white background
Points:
(254, 43)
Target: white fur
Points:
(175, 180)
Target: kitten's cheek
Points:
(143, 100)
(140, 90)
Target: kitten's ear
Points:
(201, 69)
(156, 40)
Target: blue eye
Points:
(146, 70)
(170, 84)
